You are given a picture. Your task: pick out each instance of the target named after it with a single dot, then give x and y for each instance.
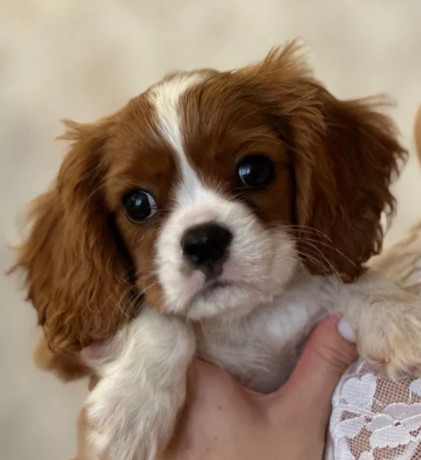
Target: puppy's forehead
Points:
(168, 99)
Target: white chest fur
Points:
(261, 349)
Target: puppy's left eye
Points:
(256, 171)
(139, 205)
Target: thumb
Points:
(327, 354)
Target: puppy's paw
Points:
(389, 335)
(125, 425)
(131, 412)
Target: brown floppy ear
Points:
(77, 277)
(344, 166)
(345, 154)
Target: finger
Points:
(328, 353)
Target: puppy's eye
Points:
(255, 171)
(139, 205)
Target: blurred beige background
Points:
(84, 59)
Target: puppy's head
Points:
(203, 195)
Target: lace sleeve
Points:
(375, 418)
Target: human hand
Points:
(224, 421)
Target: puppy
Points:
(218, 214)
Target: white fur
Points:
(141, 389)
(166, 98)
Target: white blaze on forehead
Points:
(166, 100)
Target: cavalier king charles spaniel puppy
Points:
(222, 215)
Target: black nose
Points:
(206, 245)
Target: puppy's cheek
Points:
(267, 260)
(284, 260)
(149, 287)
(249, 263)
(177, 283)
(155, 298)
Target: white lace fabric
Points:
(373, 417)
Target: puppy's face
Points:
(204, 194)
(202, 185)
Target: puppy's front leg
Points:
(387, 322)
(132, 411)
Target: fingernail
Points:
(346, 331)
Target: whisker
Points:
(316, 262)
(308, 229)
(324, 258)
(306, 239)
(311, 230)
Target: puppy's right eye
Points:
(139, 205)
(255, 171)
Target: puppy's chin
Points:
(226, 300)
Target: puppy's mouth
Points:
(213, 285)
(210, 288)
